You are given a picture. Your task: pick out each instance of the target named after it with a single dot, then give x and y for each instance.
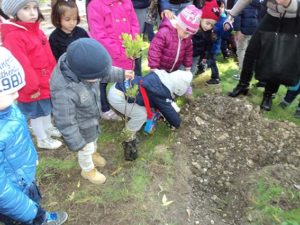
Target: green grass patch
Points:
(270, 200)
(48, 166)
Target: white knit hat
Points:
(11, 7)
(12, 76)
(177, 82)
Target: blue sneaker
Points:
(55, 218)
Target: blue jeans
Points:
(212, 63)
(103, 98)
(33, 193)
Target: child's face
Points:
(68, 20)
(28, 13)
(182, 33)
(7, 100)
(207, 24)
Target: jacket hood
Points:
(168, 24)
(177, 82)
(11, 25)
(62, 76)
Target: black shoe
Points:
(130, 150)
(213, 81)
(283, 104)
(266, 103)
(239, 89)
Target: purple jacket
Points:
(167, 51)
(107, 20)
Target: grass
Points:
(270, 200)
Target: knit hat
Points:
(11, 7)
(88, 59)
(211, 10)
(12, 76)
(189, 19)
(177, 82)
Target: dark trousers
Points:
(212, 63)
(291, 95)
(33, 193)
(103, 98)
(268, 23)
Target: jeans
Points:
(103, 98)
(212, 63)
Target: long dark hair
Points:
(3, 15)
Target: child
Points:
(161, 88)
(216, 47)
(108, 20)
(65, 17)
(75, 96)
(171, 46)
(19, 194)
(203, 39)
(27, 42)
(290, 96)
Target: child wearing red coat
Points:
(27, 42)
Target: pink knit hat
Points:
(189, 19)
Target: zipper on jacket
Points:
(177, 54)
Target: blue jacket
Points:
(18, 159)
(247, 20)
(220, 33)
(159, 97)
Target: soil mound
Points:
(231, 146)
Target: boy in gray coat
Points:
(75, 97)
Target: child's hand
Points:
(35, 95)
(129, 74)
(167, 13)
(227, 25)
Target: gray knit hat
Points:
(88, 59)
(11, 7)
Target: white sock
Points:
(85, 159)
(38, 128)
(47, 123)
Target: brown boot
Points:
(94, 176)
(98, 160)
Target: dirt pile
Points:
(231, 146)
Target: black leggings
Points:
(268, 23)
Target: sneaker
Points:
(111, 115)
(297, 113)
(98, 160)
(48, 143)
(236, 77)
(94, 176)
(53, 132)
(55, 218)
(283, 104)
(213, 81)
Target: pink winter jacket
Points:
(107, 20)
(167, 51)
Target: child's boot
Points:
(55, 218)
(98, 160)
(94, 176)
(130, 150)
